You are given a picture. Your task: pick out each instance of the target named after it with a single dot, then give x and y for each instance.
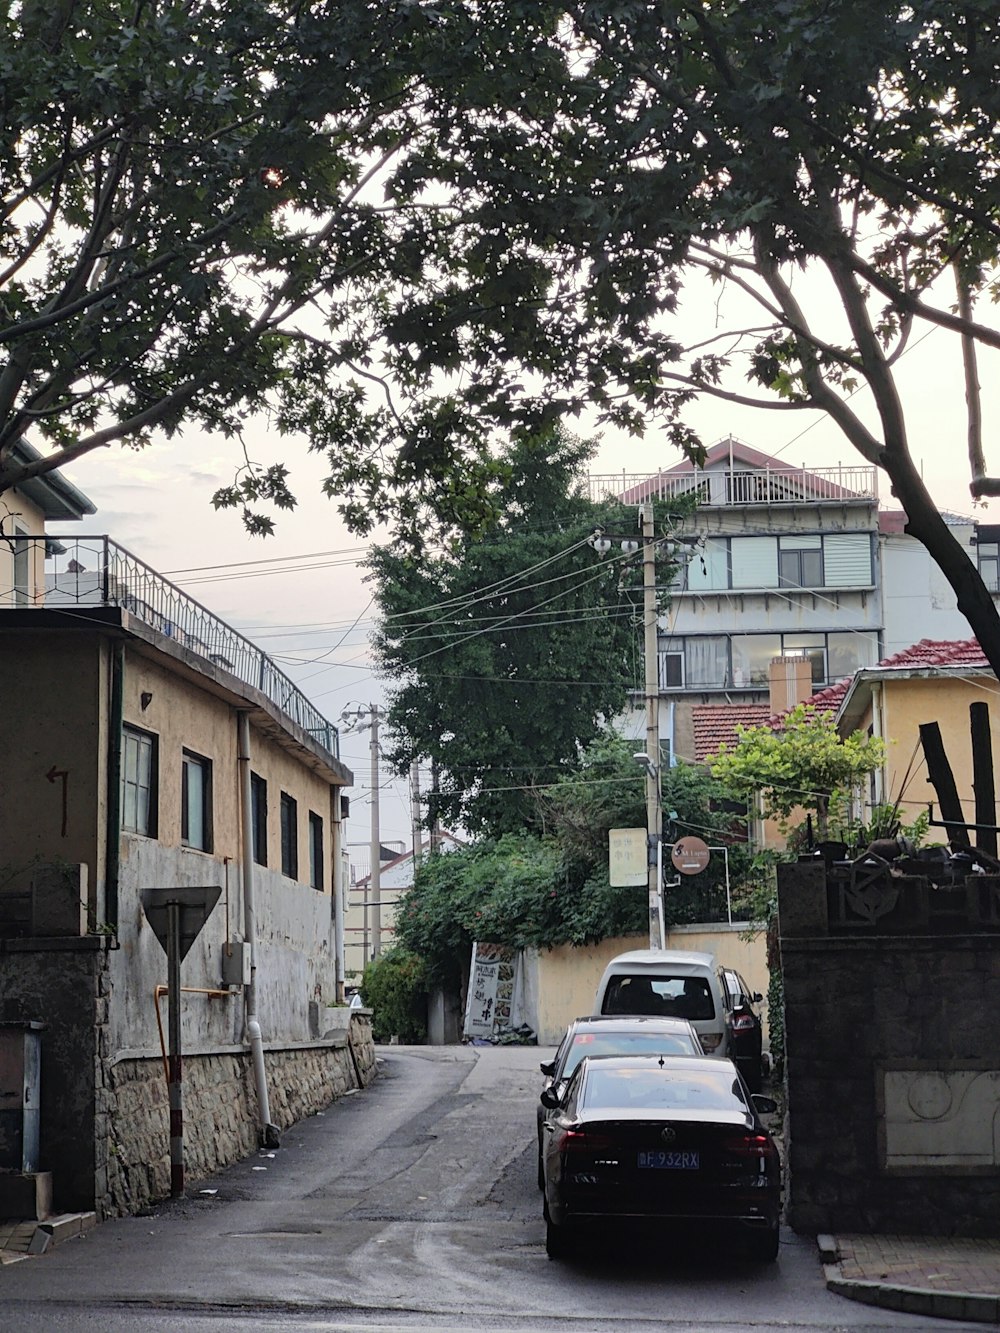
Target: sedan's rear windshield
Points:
(677, 997)
(664, 1089)
(627, 1043)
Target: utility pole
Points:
(376, 852)
(416, 828)
(360, 718)
(654, 818)
(435, 842)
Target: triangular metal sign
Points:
(195, 903)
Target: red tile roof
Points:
(716, 723)
(938, 653)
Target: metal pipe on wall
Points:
(113, 834)
(268, 1132)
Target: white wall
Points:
(918, 602)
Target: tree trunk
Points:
(924, 522)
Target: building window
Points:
(800, 568)
(138, 782)
(315, 850)
(196, 801)
(812, 646)
(706, 661)
(989, 564)
(289, 836)
(258, 818)
(671, 670)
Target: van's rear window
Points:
(678, 997)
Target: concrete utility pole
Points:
(416, 828)
(376, 852)
(654, 820)
(361, 718)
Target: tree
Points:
(529, 889)
(506, 651)
(194, 230)
(493, 210)
(802, 765)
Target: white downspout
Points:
(337, 892)
(268, 1132)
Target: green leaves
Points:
(800, 764)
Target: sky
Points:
(302, 596)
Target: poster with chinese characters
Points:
(491, 991)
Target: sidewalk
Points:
(948, 1278)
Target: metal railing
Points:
(95, 571)
(743, 486)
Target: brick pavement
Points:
(950, 1277)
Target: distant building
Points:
(790, 562)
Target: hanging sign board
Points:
(628, 864)
(690, 855)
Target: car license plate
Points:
(670, 1161)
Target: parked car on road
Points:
(603, 1035)
(668, 983)
(745, 1039)
(643, 1140)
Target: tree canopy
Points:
(505, 651)
(407, 229)
(529, 889)
(803, 765)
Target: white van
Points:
(668, 981)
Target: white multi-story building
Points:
(790, 562)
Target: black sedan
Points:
(745, 1027)
(643, 1139)
(603, 1034)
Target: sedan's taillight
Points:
(578, 1140)
(749, 1145)
(742, 1022)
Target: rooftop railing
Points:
(95, 571)
(743, 486)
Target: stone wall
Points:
(220, 1109)
(892, 996)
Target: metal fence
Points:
(95, 571)
(742, 486)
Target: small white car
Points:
(668, 982)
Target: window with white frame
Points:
(138, 781)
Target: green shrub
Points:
(394, 987)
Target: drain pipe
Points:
(268, 1132)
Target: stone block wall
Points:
(893, 1069)
(220, 1110)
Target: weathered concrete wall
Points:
(43, 818)
(891, 1002)
(296, 955)
(220, 1109)
(67, 989)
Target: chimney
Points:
(789, 682)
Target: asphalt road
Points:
(409, 1206)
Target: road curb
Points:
(974, 1307)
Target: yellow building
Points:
(932, 681)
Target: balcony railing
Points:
(743, 486)
(95, 571)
